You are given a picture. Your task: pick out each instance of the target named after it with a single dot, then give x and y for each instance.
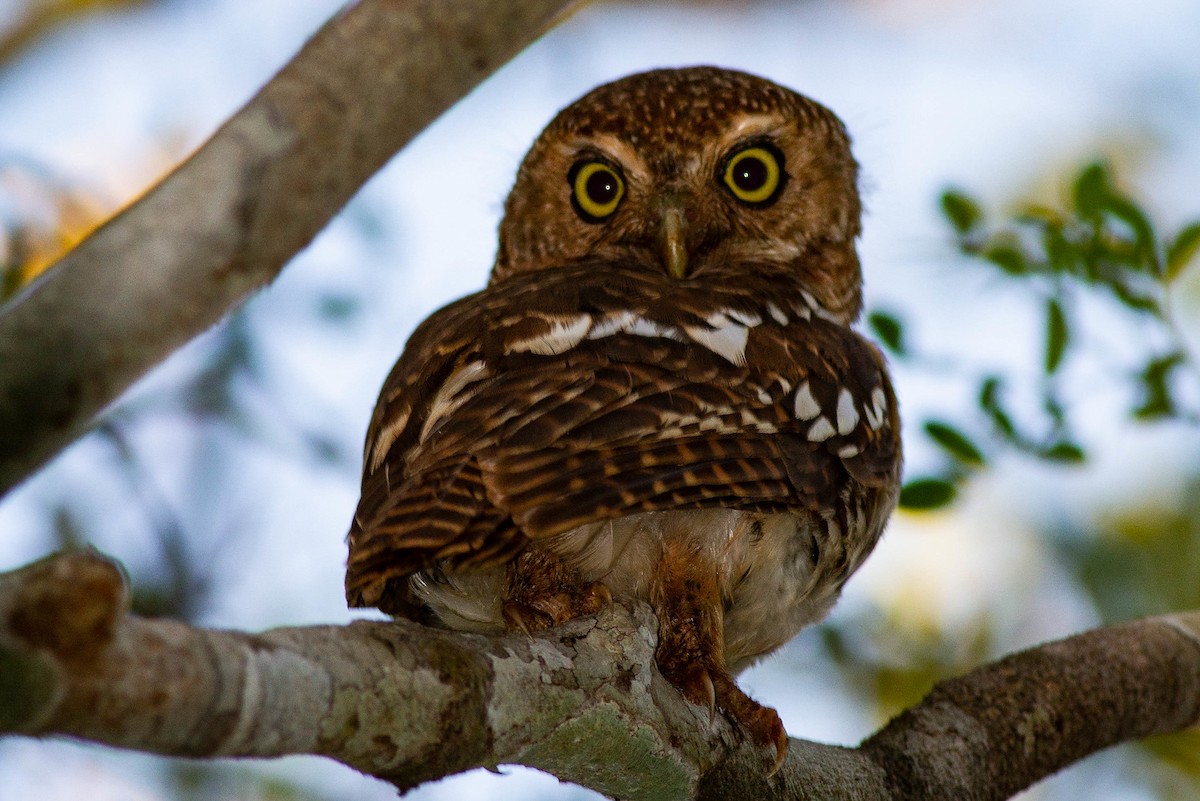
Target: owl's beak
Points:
(672, 241)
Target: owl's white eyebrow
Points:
(753, 125)
(612, 148)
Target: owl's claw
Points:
(713, 688)
(696, 685)
(711, 692)
(781, 750)
(761, 723)
(768, 730)
(525, 618)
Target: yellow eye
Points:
(755, 175)
(596, 189)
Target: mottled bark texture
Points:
(226, 221)
(410, 704)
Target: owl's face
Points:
(702, 174)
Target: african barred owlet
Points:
(658, 396)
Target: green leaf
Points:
(1130, 296)
(1182, 250)
(1065, 452)
(961, 210)
(989, 402)
(1040, 216)
(1008, 258)
(927, 493)
(1061, 253)
(1156, 394)
(1145, 255)
(989, 392)
(889, 330)
(1057, 335)
(1054, 407)
(954, 442)
(1091, 190)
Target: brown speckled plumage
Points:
(717, 442)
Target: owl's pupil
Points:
(601, 187)
(750, 174)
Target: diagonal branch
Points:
(410, 704)
(227, 220)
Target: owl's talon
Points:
(714, 688)
(781, 750)
(524, 618)
(765, 728)
(695, 684)
(711, 691)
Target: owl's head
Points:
(703, 174)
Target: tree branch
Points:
(227, 220)
(410, 704)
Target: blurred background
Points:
(1050, 400)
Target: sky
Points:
(1002, 97)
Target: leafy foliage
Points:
(1102, 243)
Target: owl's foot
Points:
(691, 649)
(544, 592)
(710, 686)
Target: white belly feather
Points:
(764, 562)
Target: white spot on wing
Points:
(563, 335)
(387, 436)
(467, 374)
(728, 341)
(611, 324)
(875, 414)
(640, 326)
(717, 320)
(806, 405)
(777, 314)
(820, 431)
(450, 396)
(748, 319)
(847, 415)
(627, 322)
(849, 451)
(812, 306)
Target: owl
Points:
(659, 395)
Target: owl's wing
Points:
(497, 428)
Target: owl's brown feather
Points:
(638, 420)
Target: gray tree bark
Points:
(409, 704)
